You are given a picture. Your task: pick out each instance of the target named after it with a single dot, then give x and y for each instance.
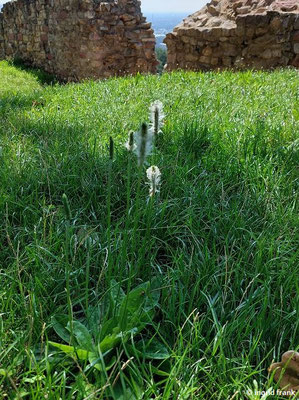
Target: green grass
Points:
(221, 239)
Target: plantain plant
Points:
(113, 325)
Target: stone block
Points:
(205, 60)
(230, 49)
(214, 61)
(207, 51)
(192, 57)
(243, 10)
(212, 9)
(275, 24)
(227, 61)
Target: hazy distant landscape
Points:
(164, 23)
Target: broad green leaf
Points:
(153, 296)
(152, 300)
(81, 354)
(93, 319)
(109, 342)
(154, 350)
(108, 327)
(135, 299)
(132, 304)
(59, 328)
(151, 350)
(139, 320)
(82, 335)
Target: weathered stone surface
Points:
(77, 40)
(237, 34)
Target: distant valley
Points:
(163, 24)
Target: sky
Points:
(166, 6)
(172, 6)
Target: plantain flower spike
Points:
(154, 176)
(156, 117)
(130, 145)
(144, 144)
(67, 207)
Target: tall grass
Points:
(220, 242)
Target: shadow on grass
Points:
(43, 77)
(11, 102)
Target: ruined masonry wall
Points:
(78, 39)
(262, 40)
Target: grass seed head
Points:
(144, 143)
(154, 176)
(67, 207)
(156, 117)
(130, 145)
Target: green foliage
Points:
(221, 238)
(161, 54)
(125, 317)
(97, 340)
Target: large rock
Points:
(78, 39)
(237, 34)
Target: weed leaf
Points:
(81, 354)
(82, 335)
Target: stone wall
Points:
(237, 34)
(78, 39)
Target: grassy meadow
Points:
(106, 293)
